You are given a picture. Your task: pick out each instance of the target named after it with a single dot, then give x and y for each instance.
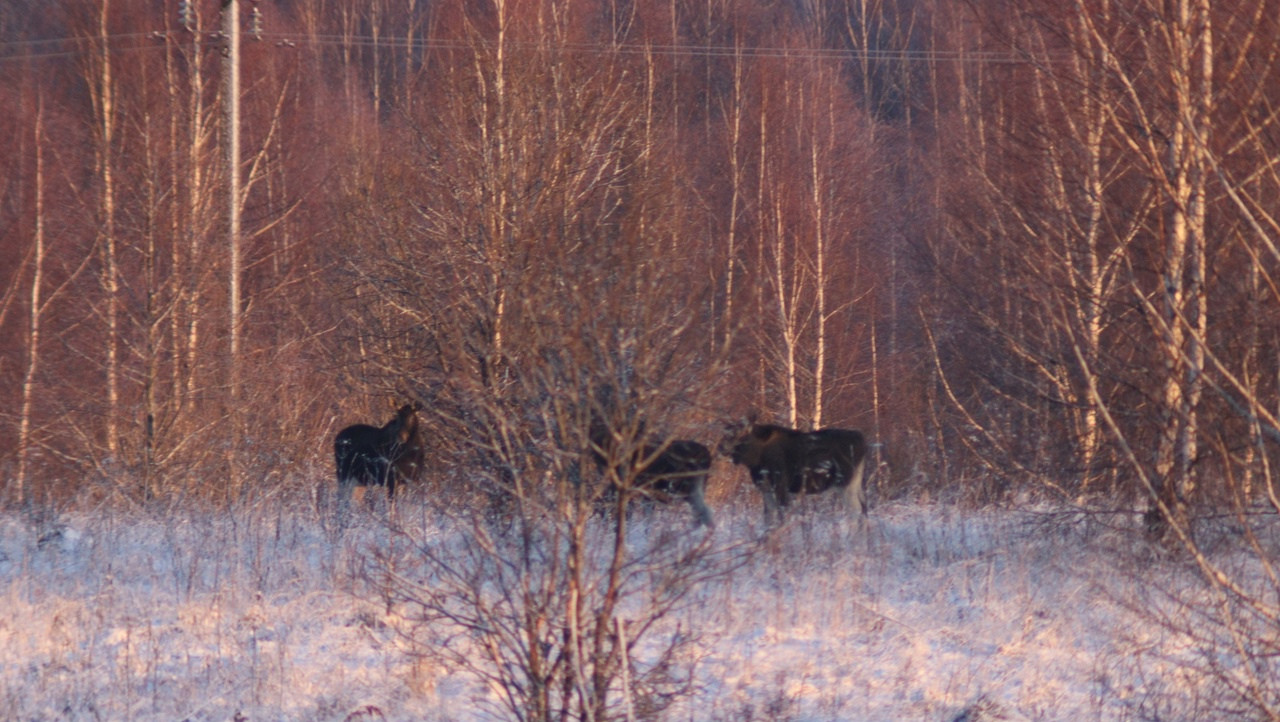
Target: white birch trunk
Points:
(33, 327)
(105, 111)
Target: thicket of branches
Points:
(1025, 247)
(1029, 247)
(420, 184)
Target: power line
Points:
(11, 51)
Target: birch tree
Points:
(1050, 212)
(534, 286)
(1100, 116)
(35, 312)
(99, 76)
(813, 148)
(1166, 125)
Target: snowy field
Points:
(928, 613)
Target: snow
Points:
(925, 613)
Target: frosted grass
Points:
(924, 613)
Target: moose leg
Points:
(783, 500)
(776, 497)
(855, 492)
(698, 500)
(358, 494)
(786, 484)
(391, 486)
(346, 485)
(765, 484)
(384, 479)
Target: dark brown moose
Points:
(675, 471)
(785, 462)
(372, 456)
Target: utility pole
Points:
(231, 80)
(230, 34)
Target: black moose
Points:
(371, 456)
(667, 472)
(785, 462)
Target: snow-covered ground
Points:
(928, 613)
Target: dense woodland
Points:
(1029, 247)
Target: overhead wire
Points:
(12, 51)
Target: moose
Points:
(372, 456)
(785, 462)
(663, 472)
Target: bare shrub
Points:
(540, 296)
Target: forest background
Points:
(1030, 248)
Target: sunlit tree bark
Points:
(1099, 111)
(813, 146)
(538, 287)
(35, 311)
(1165, 124)
(101, 81)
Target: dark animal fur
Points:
(784, 463)
(371, 456)
(678, 471)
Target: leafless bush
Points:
(538, 298)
